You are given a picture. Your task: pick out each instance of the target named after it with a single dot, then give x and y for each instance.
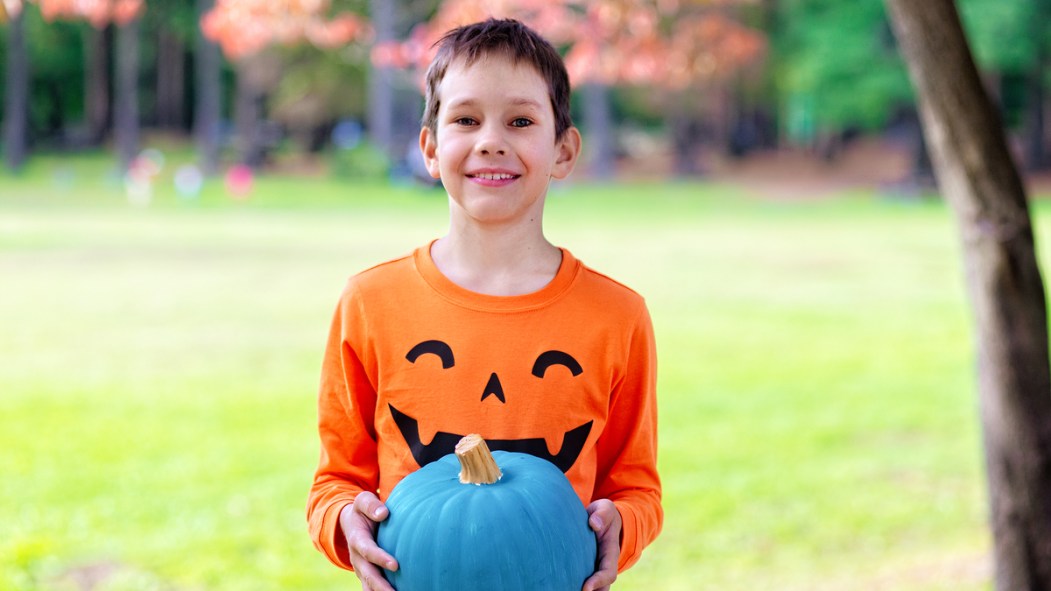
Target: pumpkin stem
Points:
(476, 461)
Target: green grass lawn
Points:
(818, 410)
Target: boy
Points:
(491, 328)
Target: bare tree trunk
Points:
(97, 43)
(687, 135)
(381, 82)
(126, 97)
(976, 172)
(254, 76)
(208, 108)
(171, 80)
(16, 99)
(598, 125)
(769, 111)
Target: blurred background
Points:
(186, 185)
(670, 88)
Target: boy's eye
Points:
(464, 121)
(521, 122)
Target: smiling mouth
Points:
(502, 176)
(444, 443)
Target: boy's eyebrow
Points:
(518, 102)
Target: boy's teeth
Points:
(495, 177)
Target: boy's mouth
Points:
(493, 178)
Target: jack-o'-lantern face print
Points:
(492, 388)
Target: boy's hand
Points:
(359, 522)
(604, 519)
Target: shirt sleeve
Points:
(627, 448)
(346, 410)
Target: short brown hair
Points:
(515, 41)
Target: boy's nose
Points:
(491, 142)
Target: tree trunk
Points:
(687, 135)
(922, 174)
(976, 172)
(381, 82)
(97, 43)
(767, 119)
(249, 106)
(598, 124)
(126, 97)
(171, 81)
(208, 106)
(16, 99)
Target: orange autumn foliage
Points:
(97, 12)
(669, 43)
(244, 27)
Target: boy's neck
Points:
(496, 262)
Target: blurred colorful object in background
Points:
(188, 181)
(141, 174)
(239, 181)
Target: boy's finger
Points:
(600, 581)
(372, 579)
(365, 547)
(370, 506)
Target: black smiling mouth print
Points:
(444, 442)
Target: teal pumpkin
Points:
(526, 531)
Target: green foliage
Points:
(839, 64)
(840, 67)
(318, 86)
(178, 16)
(1003, 34)
(56, 60)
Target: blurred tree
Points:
(317, 88)
(98, 50)
(841, 69)
(979, 178)
(208, 92)
(55, 53)
(126, 92)
(125, 15)
(381, 99)
(16, 88)
(171, 27)
(244, 28)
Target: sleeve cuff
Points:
(629, 537)
(331, 540)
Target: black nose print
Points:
(493, 388)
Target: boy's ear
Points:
(429, 149)
(568, 149)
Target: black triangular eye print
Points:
(439, 348)
(549, 358)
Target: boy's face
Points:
(494, 146)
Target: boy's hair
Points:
(512, 39)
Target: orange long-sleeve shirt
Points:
(414, 362)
